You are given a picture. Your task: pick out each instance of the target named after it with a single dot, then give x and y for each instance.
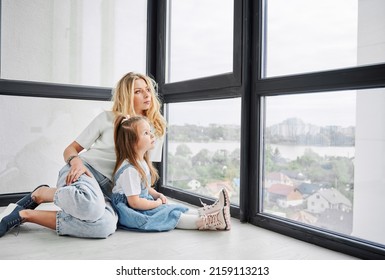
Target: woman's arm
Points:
(138, 203)
(71, 156)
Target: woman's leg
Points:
(43, 218)
(43, 195)
(101, 228)
(30, 200)
(82, 199)
(15, 215)
(85, 211)
(62, 223)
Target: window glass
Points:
(323, 161)
(35, 132)
(88, 42)
(311, 35)
(200, 39)
(203, 147)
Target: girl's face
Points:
(146, 139)
(142, 97)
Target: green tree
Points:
(202, 158)
(183, 150)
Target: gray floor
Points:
(242, 242)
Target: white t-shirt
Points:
(98, 140)
(129, 182)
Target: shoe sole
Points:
(8, 210)
(212, 208)
(226, 210)
(227, 199)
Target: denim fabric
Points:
(104, 183)
(85, 212)
(161, 218)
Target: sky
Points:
(332, 108)
(227, 111)
(317, 36)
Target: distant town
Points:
(311, 188)
(292, 131)
(295, 131)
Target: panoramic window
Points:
(200, 39)
(310, 35)
(89, 42)
(203, 147)
(35, 134)
(323, 161)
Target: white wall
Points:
(369, 188)
(34, 134)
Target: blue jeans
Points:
(85, 212)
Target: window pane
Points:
(311, 35)
(324, 161)
(89, 42)
(35, 132)
(200, 39)
(204, 147)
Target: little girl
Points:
(139, 206)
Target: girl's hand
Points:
(160, 202)
(163, 198)
(156, 195)
(77, 169)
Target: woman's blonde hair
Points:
(123, 101)
(126, 138)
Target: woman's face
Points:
(142, 97)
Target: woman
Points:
(85, 182)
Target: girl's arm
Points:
(157, 195)
(138, 203)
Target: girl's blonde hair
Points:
(126, 138)
(123, 101)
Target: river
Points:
(287, 151)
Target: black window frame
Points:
(247, 84)
(10, 87)
(219, 86)
(222, 86)
(253, 88)
(354, 78)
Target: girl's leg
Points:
(221, 202)
(188, 220)
(192, 219)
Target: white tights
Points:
(188, 220)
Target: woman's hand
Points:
(77, 169)
(77, 166)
